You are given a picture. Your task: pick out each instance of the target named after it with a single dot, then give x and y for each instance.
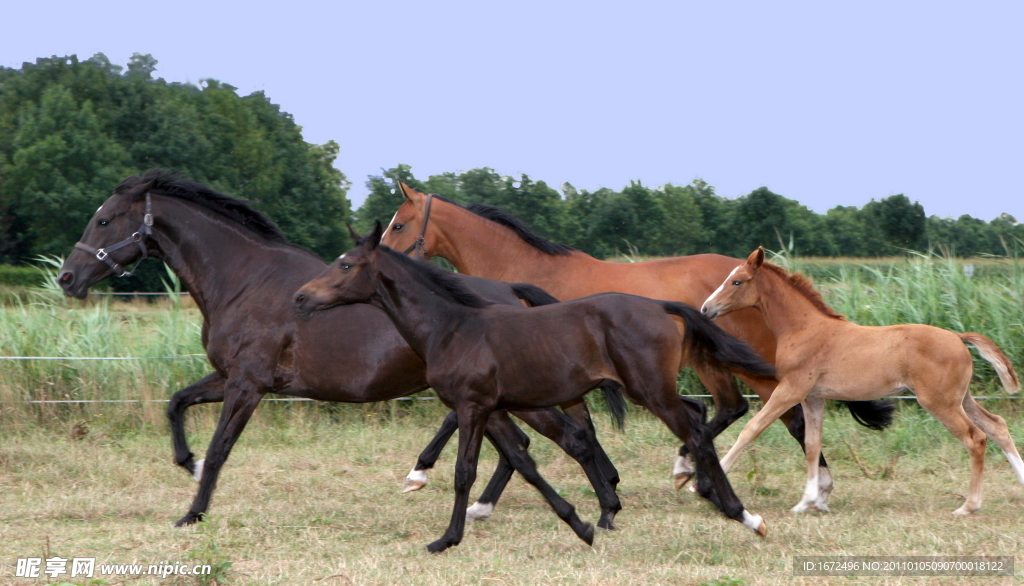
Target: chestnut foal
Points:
(822, 356)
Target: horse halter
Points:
(103, 254)
(417, 244)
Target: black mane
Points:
(516, 225)
(438, 280)
(163, 182)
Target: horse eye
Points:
(104, 222)
(346, 267)
(396, 227)
(737, 283)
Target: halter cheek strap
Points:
(417, 244)
(103, 254)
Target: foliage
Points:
(691, 219)
(71, 130)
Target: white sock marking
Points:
(1017, 465)
(683, 465)
(197, 472)
(478, 511)
(752, 522)
(417, 476)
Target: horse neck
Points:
(420, 315)
(786, 311)
(219, 261)
(482, 248)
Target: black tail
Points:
(875, 415)
(533, 294)
(615, 403)
(710, 343)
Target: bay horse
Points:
(241, 272)
(482, 356)
(486, 242)
(823, 356)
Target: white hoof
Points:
(197, 472)
(963, 511)
(479, 511)
(755, 523)
(416, 480)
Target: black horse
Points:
(242, 273)
(477, 360)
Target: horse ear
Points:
(373, 239)
(756, 258)
(355, 235)
(405, 189)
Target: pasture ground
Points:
(311, 496)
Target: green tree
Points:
(901, 222)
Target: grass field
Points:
(311, 495)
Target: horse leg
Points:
(793, 419)
(713, 484)
(208, 390)
(581, 445)
(814, 414)
(951, 414)
(729, 406)
(784, 397)
(994, 427)
(579, 413)
(506, 437)
(472, 421)
(240, 400)
(417, 478)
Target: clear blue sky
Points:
(827, 103)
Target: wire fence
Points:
(79, 401)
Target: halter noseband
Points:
(417, 244)
(103, 254)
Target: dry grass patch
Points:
(311, 499)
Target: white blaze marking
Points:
(98, 209)
(389, 225)
(342, 256)
(719, 290)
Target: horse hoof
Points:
(479, 511)
(606, 523)
(438, 546)
(799, 508)
(755, 523)
(416, 480)
(588, 534)
(682, 478)
(190, 518)
(693, 488)
(963, 511)
(197, 471)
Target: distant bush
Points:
(19, 276)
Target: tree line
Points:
(71, 130)
(690, 219)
